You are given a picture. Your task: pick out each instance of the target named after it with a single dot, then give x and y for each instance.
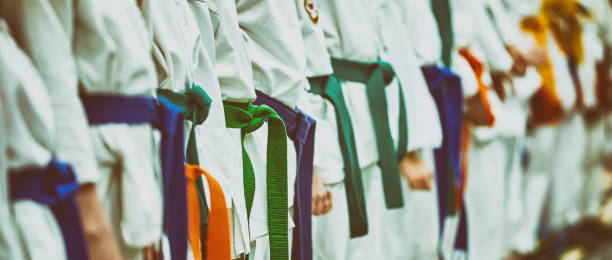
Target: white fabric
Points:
(411, 232)
(233, 64)
(370, 245)
(274, 42)
(484, 199)
(317, 57)
(234, 72)
(275, 45)
(567, 171)
(350, 34)
(327, 159)
(28, 129)
(112, 53)
(593, 52)
(40, 33)
(422, 30)
(330, 232)
(535, 185)
(424, 129)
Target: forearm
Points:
(97, 228)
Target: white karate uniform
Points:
(29, 229)
(596, 133)
(419, 216)
(234, 73)
(521, 234)
(275, 45)
(488, 152)
(183, 60)
(328, 161)
(111, 50)
(513, 128)
(569, 175)
(351, 33)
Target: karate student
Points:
(186, 76)
(424, 135)
(324, 102)
(112, 56)
(477, 44)
(274, 43)
(354, 45)
(572, 86)
(255, 176)
(543, 110)
(425, 35)
(597, 39)
(517, 86)
(30, 229)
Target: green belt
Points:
(329, 88)
(196, 105)
(376, 76)
(249, 118)
(442, 12)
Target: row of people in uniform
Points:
(208, 129)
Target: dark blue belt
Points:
(54, 186)
(301, 129)
(445, 87)
(109, 109)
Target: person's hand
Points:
(321, 197)
(416, 172)
(152, 252)
(500, 79)
(519, 66)
(537, 56)
(97, 229)
(476, 112)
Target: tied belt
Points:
(114, 109)
(54, 186)
(301, 130)
(215, 242)
(445, 87)
(376, 76)
(329, 88)
(249, 118)
(195, 104)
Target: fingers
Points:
(322, 203)
(327, 203)
(417, 173)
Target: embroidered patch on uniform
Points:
(311, 10)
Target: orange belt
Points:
(218, 236)
(478, 67)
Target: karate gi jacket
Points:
(29, 229)
(327, 157)
(424, 129)
(273, 40)
(104, 48)
(234, 73)
(350, 34)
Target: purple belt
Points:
(54, 186)
(301, 129)
(168, 119)
(445, 87)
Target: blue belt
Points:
(54, 186)
(109, 109)
(445, 87)
(301, 129)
